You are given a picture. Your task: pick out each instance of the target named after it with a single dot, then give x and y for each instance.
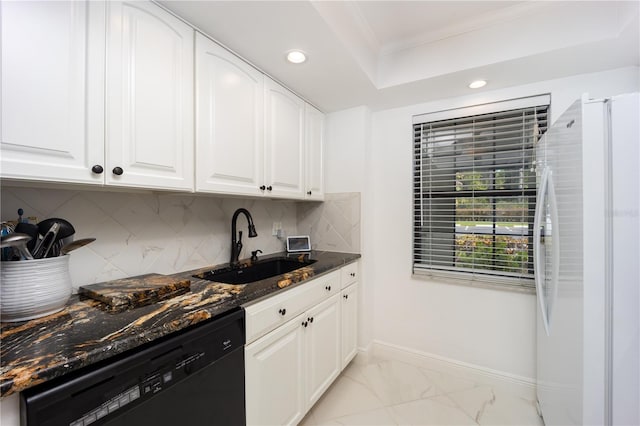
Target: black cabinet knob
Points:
(117, 171)
(328, 288)
(308, 192)
(282, 312)
(97, 169)
(305, 324)
(262, 188)
(310, 320)
(269, 188)
(346, 296)
(353, 274)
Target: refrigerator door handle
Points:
(546, 304)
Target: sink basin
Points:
(257, 271)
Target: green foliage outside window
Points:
(500, 252)
(508, 254)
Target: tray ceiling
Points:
(391, 53)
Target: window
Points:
(474, 191)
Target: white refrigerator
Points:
(587, 264)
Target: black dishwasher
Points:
(194, 378)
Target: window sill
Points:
(445, 278)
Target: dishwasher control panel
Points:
(109, 407)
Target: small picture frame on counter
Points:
(298, 243)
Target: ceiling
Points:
(386, 54)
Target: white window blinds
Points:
(474, 191)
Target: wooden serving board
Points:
(137, 291)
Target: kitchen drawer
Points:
(349, 274)
(265, 316)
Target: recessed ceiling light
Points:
(296, 57)
(477, 84)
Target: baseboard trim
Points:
(364, 354)
(428, 360)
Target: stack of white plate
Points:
(33, 288)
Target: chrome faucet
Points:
(236, 245)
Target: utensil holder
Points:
(33, 288)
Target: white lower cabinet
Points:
(322, 336)
(289, 368)
(275, 377)
(349, 300)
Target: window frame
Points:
(475, 276)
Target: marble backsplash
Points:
(138, 233)
(334, 224)
(144, 232)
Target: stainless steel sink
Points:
(257, 271)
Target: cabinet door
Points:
(349, 301)
(229, 122)
(349, 274)
(322, 347)
(314, 163)
(274, 376)
(149, 122)
(284, 142)
(52, 90)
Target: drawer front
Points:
(349, 274)
(280, 308)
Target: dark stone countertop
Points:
(86, 332)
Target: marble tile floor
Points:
(389, 392)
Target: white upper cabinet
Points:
(52, 90)
(314, 154)
(229, 122)
(284, 142)
(149, 103)
(103, 93)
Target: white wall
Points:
(347, 159)
(493, 329)
(347, 132)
